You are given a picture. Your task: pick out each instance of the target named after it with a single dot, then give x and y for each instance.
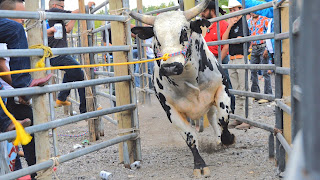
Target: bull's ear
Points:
(195, 25)
(143, 32)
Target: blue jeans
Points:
(70, 75)
(257, 58)
(13, 34)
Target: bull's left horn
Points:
(193, 12)
(147, 19)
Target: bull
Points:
(191, 83)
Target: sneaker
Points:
(261, 101)
(62, 103)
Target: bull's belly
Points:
(195, 107)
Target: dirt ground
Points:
(165, 154)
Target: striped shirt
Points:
(258, 27)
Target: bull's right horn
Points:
(193, 12)
(147, 19)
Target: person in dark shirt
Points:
(70, 75)
(236, 52)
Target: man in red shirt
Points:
(212, 35)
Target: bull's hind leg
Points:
(214, 124)
(223, 109)
(189, 135)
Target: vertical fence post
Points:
(294, 59)
(245, 54)
(89, 94)
(119, 37)
(286, 83)
(90, 25)
(40, 110)
(278, 86)
(135, 118)
(310, 84)
(142, 93)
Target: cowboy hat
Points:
(232, 4)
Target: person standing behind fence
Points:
(212, 35)
(236, 51)
(258, 25)
(70, 75)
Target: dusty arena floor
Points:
(165, 155)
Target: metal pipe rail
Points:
(242, 12)
(284, 143)
(253, 123)
(68, 120)
(252, 94)
(249, 66)
(110, 120)
(103, 73)
(173, 8)
(73, 101)
(281, 36)
(112, 97)
(283, 106)
(242, 39)
(60, 16)
(99, 6)
(102, 28)
(62, 51)
(68, 157)
(61, 87)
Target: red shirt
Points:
(213, 36)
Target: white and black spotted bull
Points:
(191, 83)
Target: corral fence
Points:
(127, 121)
(299, 109)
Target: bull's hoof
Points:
(206, 172)
(197, 173)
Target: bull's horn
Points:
(147, 19)
(193, 12)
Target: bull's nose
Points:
(171, 69)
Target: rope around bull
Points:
(22, 137)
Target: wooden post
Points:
(89, 94)
(286, 78)
(39, 102)
(118, 34)
(188, 4)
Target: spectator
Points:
(212, 35)
(70, 75)
(13, 34)
(236, 51)
(258, 25)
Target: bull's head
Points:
(171, 31)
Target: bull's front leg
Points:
(189, 135)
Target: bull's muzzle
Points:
(175, 68)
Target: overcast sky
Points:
(73, 4)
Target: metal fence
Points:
(75, 51)
(296, 110)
